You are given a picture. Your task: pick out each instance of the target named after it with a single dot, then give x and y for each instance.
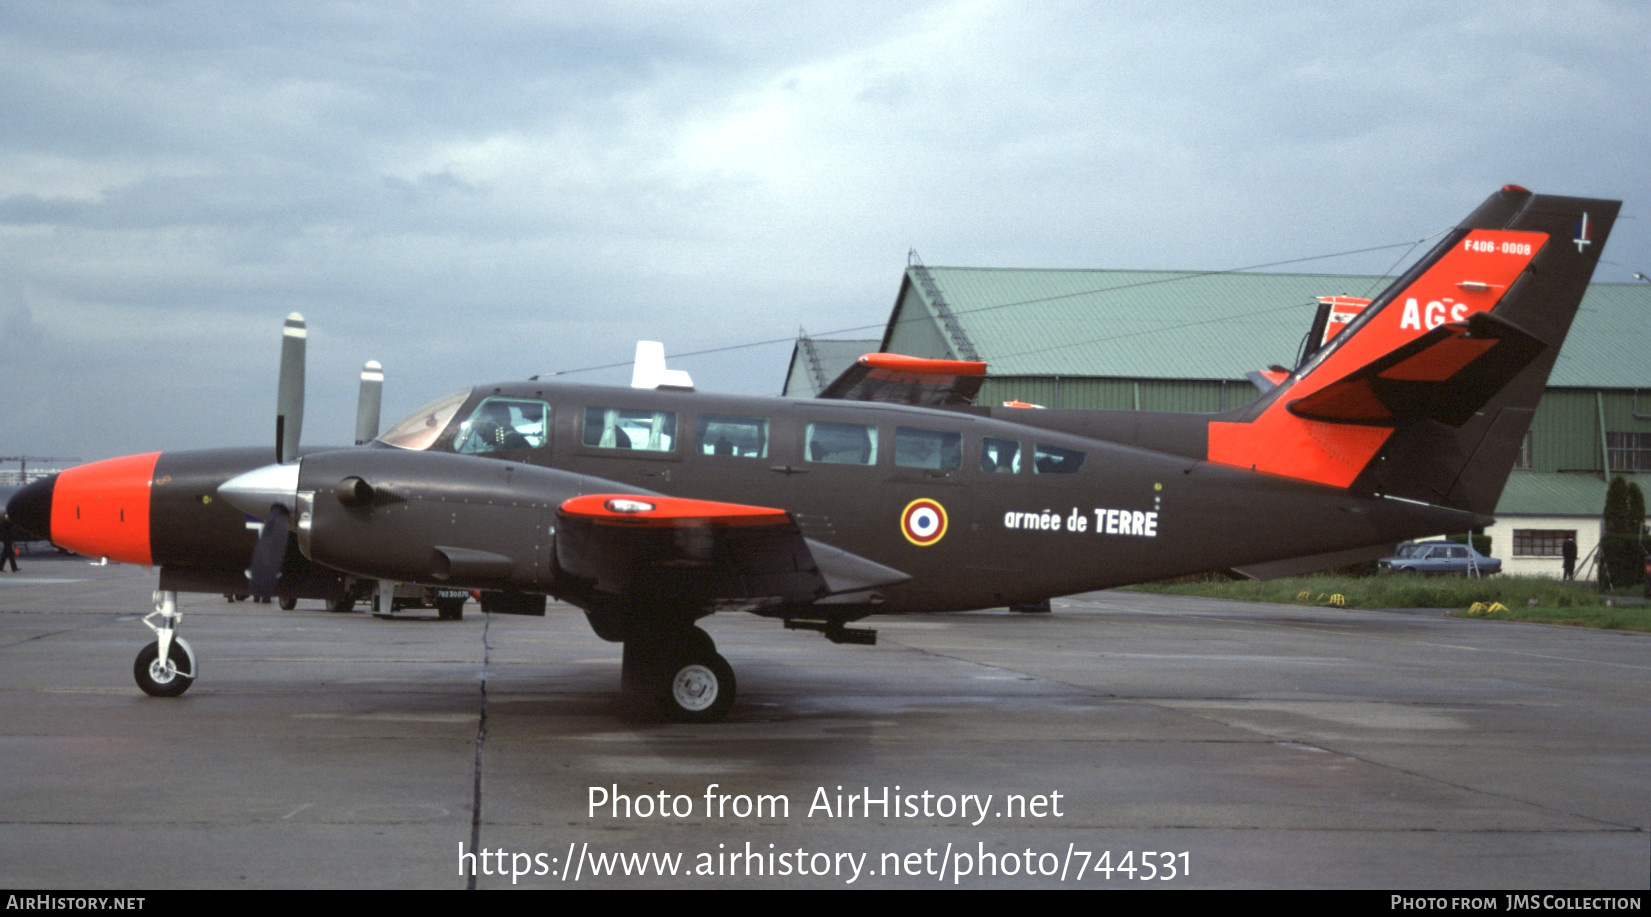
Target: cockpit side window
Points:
(419, 430)
(504, 423)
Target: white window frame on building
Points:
(1628, 452)
(1540, 542)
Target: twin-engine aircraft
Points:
(653, 506)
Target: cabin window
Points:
(1055, 460)
(498, 424)
(999, 456)
(936, 450)
(643, 431)
(842, 443)
(741, 437)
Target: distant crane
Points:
(24, 460)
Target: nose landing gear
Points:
(165, 668)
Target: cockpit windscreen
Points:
(418, 430)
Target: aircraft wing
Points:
(478, 523)
(727, 555)
(897, 379)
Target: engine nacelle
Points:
(411, 517)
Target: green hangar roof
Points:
(1193, 325)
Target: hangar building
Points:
(1183, 341)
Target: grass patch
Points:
(1521, 598)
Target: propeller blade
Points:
(366, 411)
(269, 552)
(289, 400)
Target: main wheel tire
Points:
(646, 657)
(450, 609)
(288, 602)
(700, 689)
(158, 680)
(341, 604)
(699, 643)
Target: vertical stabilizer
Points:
(1428, 393)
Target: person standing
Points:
(7, 550)
(1567, 554)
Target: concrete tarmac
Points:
(1126, 740)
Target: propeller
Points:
(366, 411)
(270, 490)
(289, 398)
(269, 552)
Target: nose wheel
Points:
(165, 668)
(165, 679)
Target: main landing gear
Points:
(681, 672)
(165, 668)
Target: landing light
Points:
(629, 506)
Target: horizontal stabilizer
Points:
(1265, 380)
(1446, 375)
(896, 379)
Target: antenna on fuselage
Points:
(650, 371)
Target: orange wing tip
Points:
(895, 362)
(669, 512)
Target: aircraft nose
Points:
(30, 509)
(99, 510)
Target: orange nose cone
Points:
(102, 509)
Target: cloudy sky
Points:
(478, 191)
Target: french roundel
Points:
(923, 522)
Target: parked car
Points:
(1439, 557)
